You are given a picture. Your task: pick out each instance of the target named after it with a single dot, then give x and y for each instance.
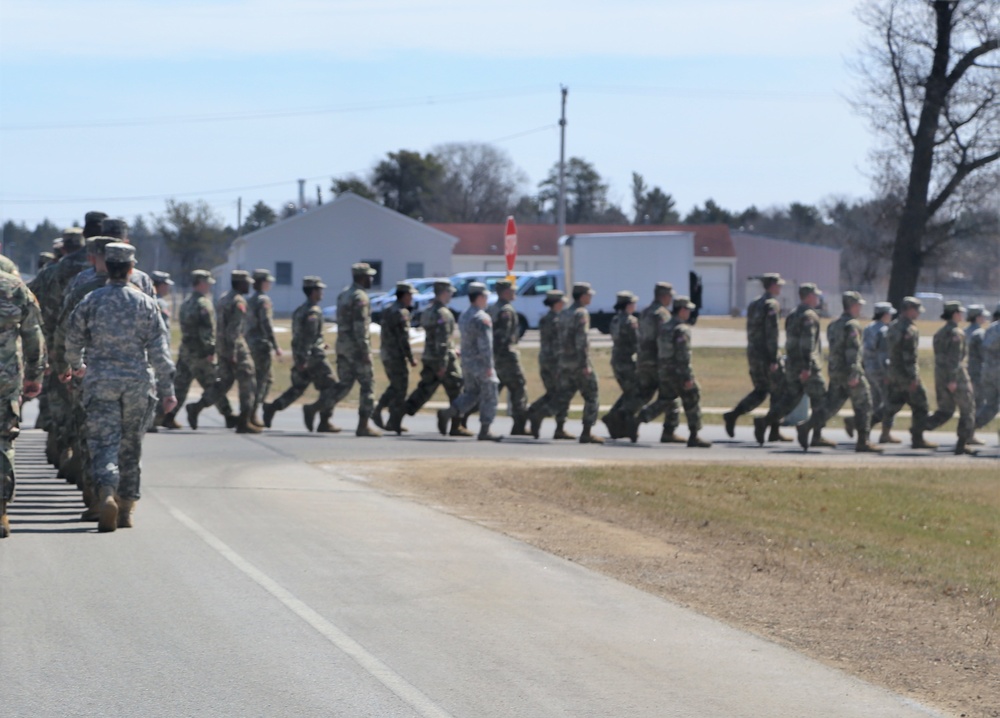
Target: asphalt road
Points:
(260, 582)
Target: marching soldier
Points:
(803, 371)
(22, 362)
(905, 386)
(478, 373)
(548, 364)
(397, 357)
(440, 363)
(235, 362)
(624, 344)
(875, 360)
(676, 376)
(847, 379)
(979, 320)
(162, 284)
(309, 364)
(117, 387)
(261, 339)
(197, 358)
(989, 403)
(507, 358)
(951, 378)
(651, 322)
(763, 316)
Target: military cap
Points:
(852, 298)
(405, 288)
(662, 288)
(504, 284)
(363, 269)
(239, 275)
(626, 297)
(771, 278)
(92, 223)
(443, 285)
(202, 275)
(119, 253)
(161, 278)
(881, 308)
(581, 288)
(553, 296)
(476, 288)
(683, 302)
(312, 282)
(974, 310)
(96, 245)
(74, 237)
(47, 256)
(262, 275)
(117, 228)
(952, 306)
(57, 243)
(909, 302)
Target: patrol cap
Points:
(119, 253)
(443, 285)
(92, 224)
(202, 275)
(809, 288)
(47, 256)
(313, 282)
(852, 298)
(771, 278)
(625, 297)
(952, 306)
(881, 308)
(363, 269)
(663, 288)
(683, 302)
(117, 228)
(504, 284)
(262, 275)
(909, 302)
(974, 310)
(57, 243)
(581, 288)
(74, 237)
(239, 275)
(161, 278)
(405, 288)
(96, 245)
(553, 296)
(476, 288)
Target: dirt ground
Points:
(938, 649)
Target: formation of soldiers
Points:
(97, 329)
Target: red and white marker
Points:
(510, 247)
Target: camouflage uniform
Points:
(309, 364)
(478, 372)
(118, 390)
(803, 352)
(7, 265)
(260, 337)
(905, 386)
(875, 360)
(989, 402)
(548, 366)
(235, 362)
(651, 322)
(22, 358)
(354, 349)
(196, 359)
(974, 336)
(576, 372)
(507, 359)
(625, 344)
(397, 357)
(949, 366)
(440, 364)
(763, 315)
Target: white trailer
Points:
(633, 261)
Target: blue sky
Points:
(120, 104)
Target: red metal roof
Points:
(711, 240)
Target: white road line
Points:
(376, 668)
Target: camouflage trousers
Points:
(647, 387)
(117, 418)
(837, 395)
(240, 371)
(627, 376)
(394, 397)
(262, 363)
(947, 401)
(989, 402)
(547, 405)
(879, 387)
(573, 380)
(10, 427)
(191, 368)
(60, 413)
(360, 370)
(671, 389)
(511, 376)
(765, 383)
(319, 373)
(900, 393)
(477, 390)
(451, 380)
(814, 387)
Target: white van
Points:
(530, 299)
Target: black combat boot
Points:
(730, 418)
(192, 411)
(309, 415)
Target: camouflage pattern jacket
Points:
(548, 336)
(875, 346)
(574, 325)
(354, 318)
(763, 315)
(949, 354)
(651, 319)
(50, 285)
(625, 339)
(7, 265)
(260, 323)
(74, 295)
(506, 330)
(477, 342)
(439, 323)
(232, 312)
(803, 347)
(95, 336)
(974, 347)
(22, 346)
(396, 334)
(308, 342)
(904, 340)
(198, 326)
(675, 350)
(846, 348)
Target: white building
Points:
(796, 262)
(327, 240)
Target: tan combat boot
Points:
(776, 435)
(365, 430)
(458, 428)
(695, 442)
(519, 426)
(864, 445)
(887, 437)
(667, 436)
(819, 441)
(486, 435)
(561, 432)
(170, 421)
(919, 442)
(254, 418)
(107, 508)
(324, 426)
(587, 438)
(125, 509)
(243, 425)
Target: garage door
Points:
(716, 288)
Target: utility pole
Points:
(561, 208)
(302, 195)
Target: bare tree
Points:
(931, 91)
(481, 183)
